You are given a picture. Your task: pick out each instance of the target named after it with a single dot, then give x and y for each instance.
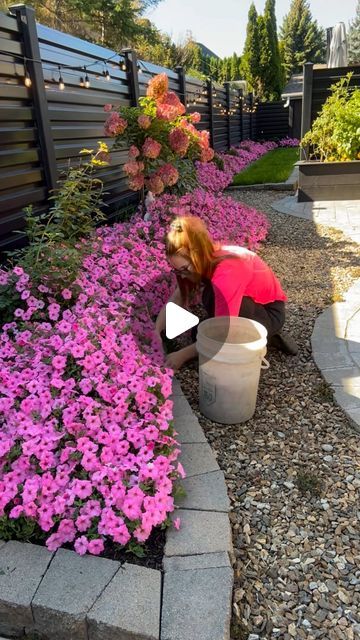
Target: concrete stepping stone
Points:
(206, 492)
(200, 532)
(197, 459)
(188, 430)
(68, 591)
(181, 406)
(129, 606)
(203, 561)
(22, 567)
(197, 601)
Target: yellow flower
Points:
(86, 151)
(98, 163)
(103, 147)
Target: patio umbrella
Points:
(338, 47)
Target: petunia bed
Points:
(88, 452)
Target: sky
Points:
(221, 24)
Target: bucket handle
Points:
(265, 364)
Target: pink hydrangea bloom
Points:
(151, 148)
(179, 141)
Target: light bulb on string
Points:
(27, 79)
(81, 82)
(106, 73)
(86, 79)
(61, 81)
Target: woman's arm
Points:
(160, 323)
(176, 359)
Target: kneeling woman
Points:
(234, 282)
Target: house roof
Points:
(206, 51)
(294, 88)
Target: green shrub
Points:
(54, 251)
(335, 134)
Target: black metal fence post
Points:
(210, 99)
(182, 84)
(228, 107)
(306, 103)
(133, 75)
(241, 95)
(27, 26)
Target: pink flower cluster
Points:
(86, 450)
(228, 221)
(115, 125)
(289, 142)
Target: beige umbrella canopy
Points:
(338, 47)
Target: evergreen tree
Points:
(354, 38)
(113, 23)
(250, 61)
(302, 39)
(213, 68)
(270, 65)
(234, 68)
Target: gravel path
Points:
(293, 471)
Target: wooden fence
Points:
(42, 127)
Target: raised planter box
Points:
(328, 181)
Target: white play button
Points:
(178, 320)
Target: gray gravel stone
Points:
(203, 561)
(188, 430)
(327, 447)
(197, 459)
(22, 567)
(206, 492)
(128, 608)
(200, 532)
(197, 604)
(69, 589)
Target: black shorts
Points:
(271, 315)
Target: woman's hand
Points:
(175, 360)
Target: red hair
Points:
(188, 237)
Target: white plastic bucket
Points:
(231, 353)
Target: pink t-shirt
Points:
(244, 275)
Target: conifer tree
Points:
(302, 39)
(250, 61)
(270, 64)
(354, 38)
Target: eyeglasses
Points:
(181, 271)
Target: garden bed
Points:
(328, 180)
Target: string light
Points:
(27, 79)
(106, 73)
(82, 82)
(61, 81)
(87, 81)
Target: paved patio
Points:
(336, 336)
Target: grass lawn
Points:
(274, 166)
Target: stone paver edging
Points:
(64, 596)
(336, 350)
(336, 335)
